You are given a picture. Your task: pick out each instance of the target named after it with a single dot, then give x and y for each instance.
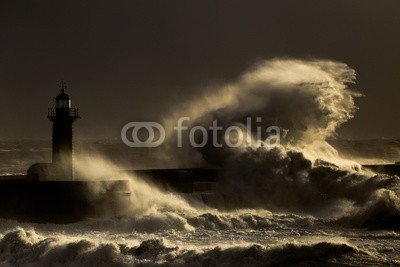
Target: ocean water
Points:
(174, 230)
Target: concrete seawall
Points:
(61, 201)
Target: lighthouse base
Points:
(62, 201)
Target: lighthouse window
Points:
(63, 103)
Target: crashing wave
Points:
(308, 100)
(22, 247)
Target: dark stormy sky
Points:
(134, 60)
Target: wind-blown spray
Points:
(308, 100)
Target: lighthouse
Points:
(63, 116)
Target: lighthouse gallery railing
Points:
(73, 112)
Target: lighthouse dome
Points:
(62, 96)
(63, 100)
